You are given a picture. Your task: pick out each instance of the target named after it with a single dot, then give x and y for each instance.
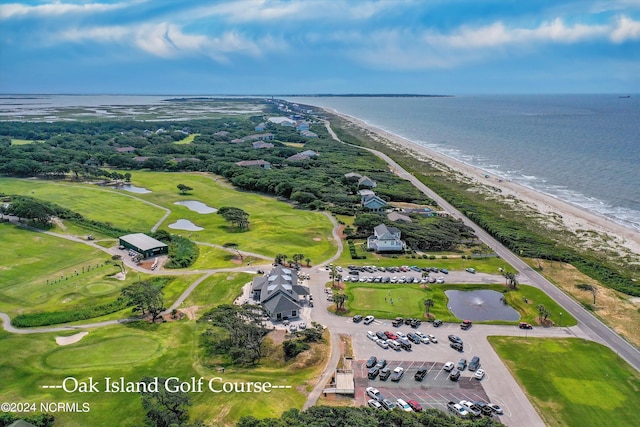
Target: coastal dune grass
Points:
(573, 382)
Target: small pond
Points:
(185, 224)
(196, 206)
(133, 189)
(480, 305)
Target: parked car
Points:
(372, 362)
(401, 334)
(462, 364)
(448, 366)
(456, 346)
(384, 374)
(479, 374)
(373, 373)
(382, 343)
(415, 323)
(388, 405)
(437, 323)
(368, 319)
(444, 271)
(404, 343)
(466, 324)
(457, 409)
(471, 270)
(390, 335)
(495, 408)
(374, 404)
(381, 363)
(423, 338)
(374, 393)
(357, 318)
(413, 338)
(371, 335)
(381, 335)
(397, 374)
(440, 280)
(468, 406)
(454, 375)
(395, 345)
(398, 321)
(474, 364)
(525, 325)
(403, 406)
(455, 338)
(415, 405)
(432, 338)
(419, 376)
(482, 406)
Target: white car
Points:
(373, 393)
(374, 404)
(448, 366)
(382, 343)
(372, 335)
(440, 280)
(402, 405)
(479, 374)
(468, 406)
(368, 319)
(425, 339)
(401, 335)
(394, 279)
(432, 338)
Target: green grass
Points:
(408, 301)
(188, 139)
(573, 382)
(116, 207)
(219, 258)
(218, 287)
(22, 141)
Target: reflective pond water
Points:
(185, 224)
(197, 206)
(133, 189)
(480, 305)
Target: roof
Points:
(20, 423)
(352, 174)
(280, 303)
(142, 241)
(253, 163)
(383, 232)
(395, 216)
(369, 200)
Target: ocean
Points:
(583, 149)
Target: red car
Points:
(414, 405)
(391, 335)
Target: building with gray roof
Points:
(279, 293)
(144, 245)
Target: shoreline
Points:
(576, 219)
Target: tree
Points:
(543, 312)
(510, 279)
(590, 288)
(340, 300)
(31, 209)
(164, 408)
(145, 297)
(428, 303)
(235, 216)
(297, 258)
(184, 189)
(280, 259)
(308, 261)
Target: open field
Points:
(218, 287)
(136, 350)
(97, 203)
(573, 382)
(620, 311)
(275, 227)
(15, 141)
(211, 257)
(408, 301)
(187, 139)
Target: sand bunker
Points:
(72, 339)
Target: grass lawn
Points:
(408, 301)
(117, 207)
(211, 257)
(188, 139)
(22, 141)
(218, 287)
(139, 349)
(275, 227)
(573, 382)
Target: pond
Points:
(196, 206)
(480, 305)
(185, 224)
(133, 189)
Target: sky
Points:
(282, 47)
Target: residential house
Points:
(126, 149)
(279, 293)
(260, 136)
(352, 175)
(255, 163)
(385, 239)
(262, 144)
(221, 133)
(302, 125)
(398, 217)
(373, 203)
(365, 181)
(305, 155)
(308, 134)
(261, 127)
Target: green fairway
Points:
(408, 301)
(275, 227)
(573, 382)
(117, 207)
(218, 287)
(211, 257)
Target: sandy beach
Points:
(601, 232)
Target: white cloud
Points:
(625, 29)
(56, 8)
(168, 40)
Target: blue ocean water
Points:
(584, 149)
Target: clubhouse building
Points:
(279, 293)
(144, 245)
